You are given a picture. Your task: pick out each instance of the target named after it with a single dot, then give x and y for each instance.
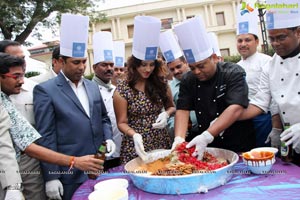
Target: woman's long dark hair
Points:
(155, 87)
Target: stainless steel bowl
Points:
(192, 183)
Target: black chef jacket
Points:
(210, 98)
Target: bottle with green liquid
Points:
(286, 151)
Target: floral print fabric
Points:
(22, 133)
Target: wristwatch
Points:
(17, 186)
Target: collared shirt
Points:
(22, 133)
(80, 92)
(253, 67)
(24, 100)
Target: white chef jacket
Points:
(280, 80)
(108, 101)
(24, 100)
(253, 66)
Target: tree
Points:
(20, 18)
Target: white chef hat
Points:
(119, 53)
(247, 20)
(169, 46)
(282, 14)
(103, 47)
(193, 39)
(214, 41)
(74, 35)
(146, 37)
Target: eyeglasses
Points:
(17, 77)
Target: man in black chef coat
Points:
(218, 93)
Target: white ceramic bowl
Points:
(110, 194)
(259, 162)
(272, 149)
(111, 183)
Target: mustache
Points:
(109, 72)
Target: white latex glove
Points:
(274, 137)
(139, 146)
(212, 122)
(201, 142)
(292, 136)
(161, 121)
(14, 195)
(111, 147)
(54, 189)
(177, 140)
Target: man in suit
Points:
(56, 67)
(10, 178)
(70, 113)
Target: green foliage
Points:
(31, 74)
(19, 18)
(234, 59)
(90, 76)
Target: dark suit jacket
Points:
(65, 127)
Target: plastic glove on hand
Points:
(161, 121)
(201, 142)
(54, 189)
(139, 146)
(111, 148)
(292, 136)
(274, 137)
(14, 195)
(177, 140)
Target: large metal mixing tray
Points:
(192, 183)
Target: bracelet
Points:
(71, 163)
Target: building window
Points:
(106, 29)
(166, 23)
(225, 52)
(130, 31)
(220, 18)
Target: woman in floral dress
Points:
(138, 101)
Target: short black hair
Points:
(5, 43)
(7, 61)
(56, 52)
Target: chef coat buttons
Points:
(297, 74)
(282, 79)
(283, 113)
(298, 92)
(282, 96)
(199, 86)
(198, 99)
(214, 100)
(216, 87)
(199, 113)
(281, 63)
(200, 126)
(217, 114)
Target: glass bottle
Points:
(100, 154)
(286, 151)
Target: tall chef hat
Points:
(103, 47)
(247, 20)
(169, 46)
(214, 41)
(146, 37)
(74, 35)
(282, 14)
(193, 40)
(119, 53)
